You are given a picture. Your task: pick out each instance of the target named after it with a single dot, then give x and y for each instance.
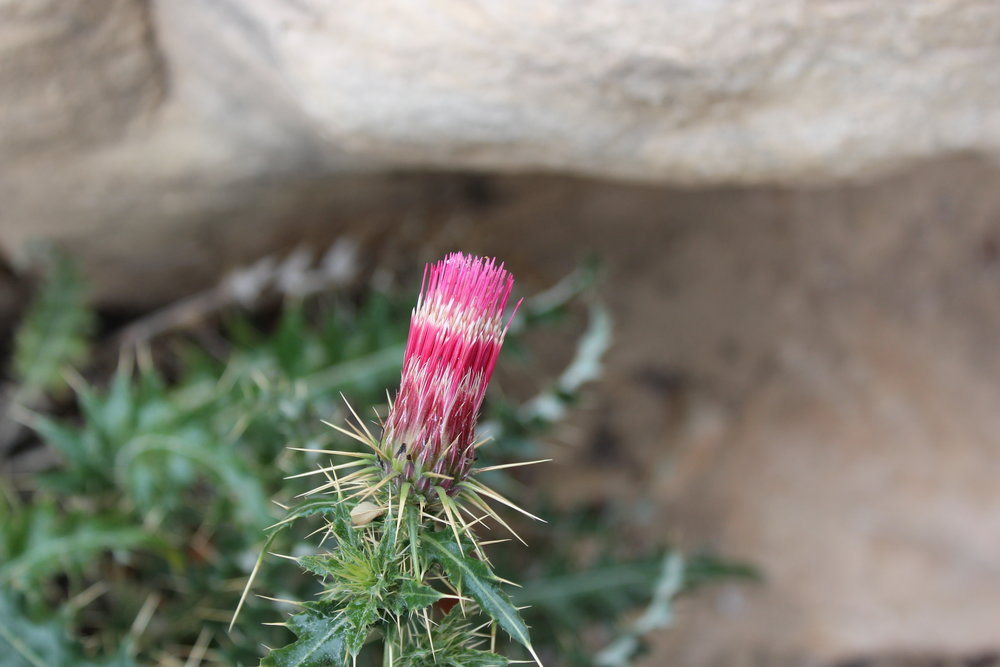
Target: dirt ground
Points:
(806, 380)
(803, 379)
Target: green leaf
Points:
(554, 589)
(473, 658)
(466, 657)
(324, 566)
(363, 599)
(452, 641)
(25, 642)
(40, 542)
(53, 334)
(339, 518)
(361, 614)
(658, 614)
(474, 576)
(63, 439)
(706, 568)
(413, 595)
(138, 463)
(413, 537)
(334, 509)
(322, 642)
(586, 366)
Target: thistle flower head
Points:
(456, 332)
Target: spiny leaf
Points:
(451, 641)
(465, 657)
(413, 537)
(63, 439)
(474, 576)
(53, 335)
(360, 615)
(324, 566)
(415, 595)
(322, 641)
(334, 509)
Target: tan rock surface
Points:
(807, 380)
(176, 112)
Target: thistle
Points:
(427, 445)
(456, 332)
(402, 513)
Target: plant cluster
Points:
(134, 542)
(403, 512)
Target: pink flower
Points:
(456, 332)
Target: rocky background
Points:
(796, 201)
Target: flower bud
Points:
(456, 332)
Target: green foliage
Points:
(146, 531)
(587, 584)
(414, 596)
(27, 642)
(52, 337)
(352, 572)
(179, 474)
(323, 640)
(473, 576)
(40, 540)
(377, 577)
(140, 441)
(447, 643)
(657, 615)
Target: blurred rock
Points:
(701, 92)
(806, 380)
(74, 74)
(180, 114)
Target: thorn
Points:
(371, 438)
(246, 589)
(473, 498)
(336, 452)
(508, 582)
(490, 493)
(404, 491)
(328, 469)
(446, 504)
(487, 543)
(295, 603)
(510, 465)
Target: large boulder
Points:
(188, 113)
(745, 90)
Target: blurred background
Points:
(767, 231)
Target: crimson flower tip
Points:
(456, 331)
